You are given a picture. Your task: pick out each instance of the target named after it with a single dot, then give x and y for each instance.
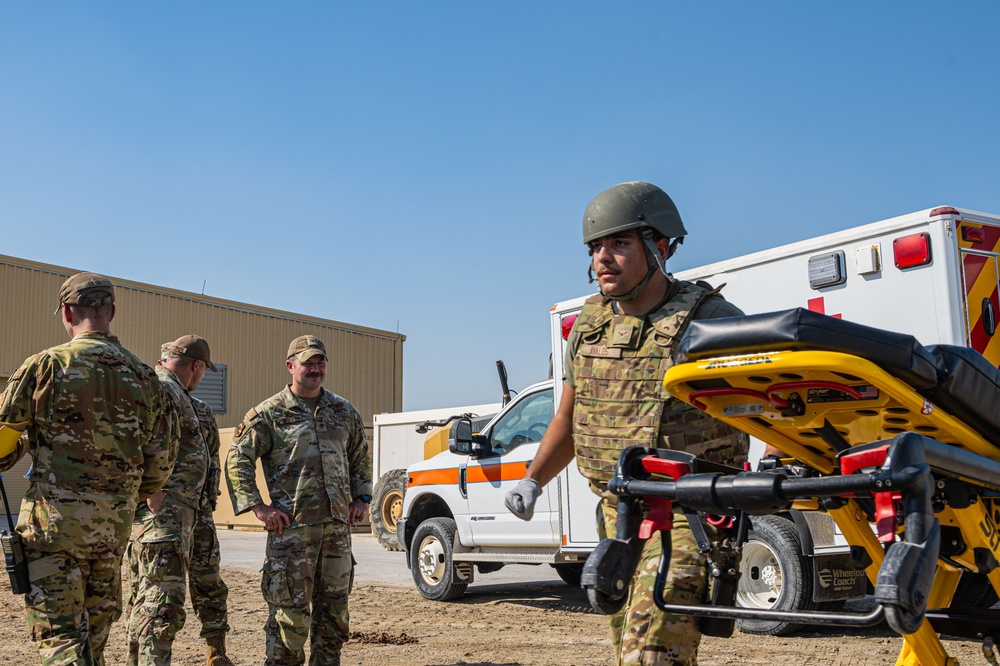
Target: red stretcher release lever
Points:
(661, 509)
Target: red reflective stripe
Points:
(974, 264)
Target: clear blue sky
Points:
(425, 166)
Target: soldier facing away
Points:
(315, 457)
(101, 438)
(617, 354)
(173, 536)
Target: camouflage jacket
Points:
(616, 364)
(187, 482)
(314, 463)
(102, 436)
(210, 431)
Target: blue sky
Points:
(425, 166)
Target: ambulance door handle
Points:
(989, 317)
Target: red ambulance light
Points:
(910, 251)
(973, 234)
(944, 210)
(567, 325)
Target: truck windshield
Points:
(525, 422)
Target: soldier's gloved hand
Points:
(521, 500)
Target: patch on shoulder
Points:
(18, 374)
(247, 421)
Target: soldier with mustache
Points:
(316, 461)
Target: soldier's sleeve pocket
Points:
(274, 582)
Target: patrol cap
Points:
(191, 346)
(305, 347)
(88, 289)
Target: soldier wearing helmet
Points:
(613, 397)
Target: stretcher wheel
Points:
(608, 572)
(606, 603)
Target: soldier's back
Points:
(97, 407)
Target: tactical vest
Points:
(620, 400)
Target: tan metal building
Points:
(248, 342)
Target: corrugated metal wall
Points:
(366, 364)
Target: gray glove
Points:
(521, 500)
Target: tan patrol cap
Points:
(88, 289)
(305, 347)
(192, 346)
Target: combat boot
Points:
(217, 651)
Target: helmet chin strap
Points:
(653, 259)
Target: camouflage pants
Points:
(159, 554)
(641, 632)
(208, 590)
(71, 605)
(306, 580)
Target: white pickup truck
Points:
(463, 494)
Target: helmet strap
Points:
(654, 254)
(653, 259)
(630, 296)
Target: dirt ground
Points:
(537, 625)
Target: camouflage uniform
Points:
(208, 591)
(616, 365)
(102, 437)
(315, 462)
(162, 543)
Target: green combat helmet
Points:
(635, 205)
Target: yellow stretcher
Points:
(886, 432)
(814, 405)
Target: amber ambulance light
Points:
(910, 251)
(973, 234)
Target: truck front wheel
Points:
(387, 508)
(570, 572)
(774, 574)
(434, 572)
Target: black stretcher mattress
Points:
(956, 379)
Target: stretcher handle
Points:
(732, 390)
(808, 384)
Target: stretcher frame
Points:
(844, 419)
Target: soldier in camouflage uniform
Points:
(208, 591)
(312, 446)
(617, 354)
(101, 438)
(164, 533)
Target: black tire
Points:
(431, 560)
(974, 591)
(387, 508)
(775, 574)
(570, 572)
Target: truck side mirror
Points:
(460, 438)
(463, 442)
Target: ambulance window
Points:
(525, 422)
